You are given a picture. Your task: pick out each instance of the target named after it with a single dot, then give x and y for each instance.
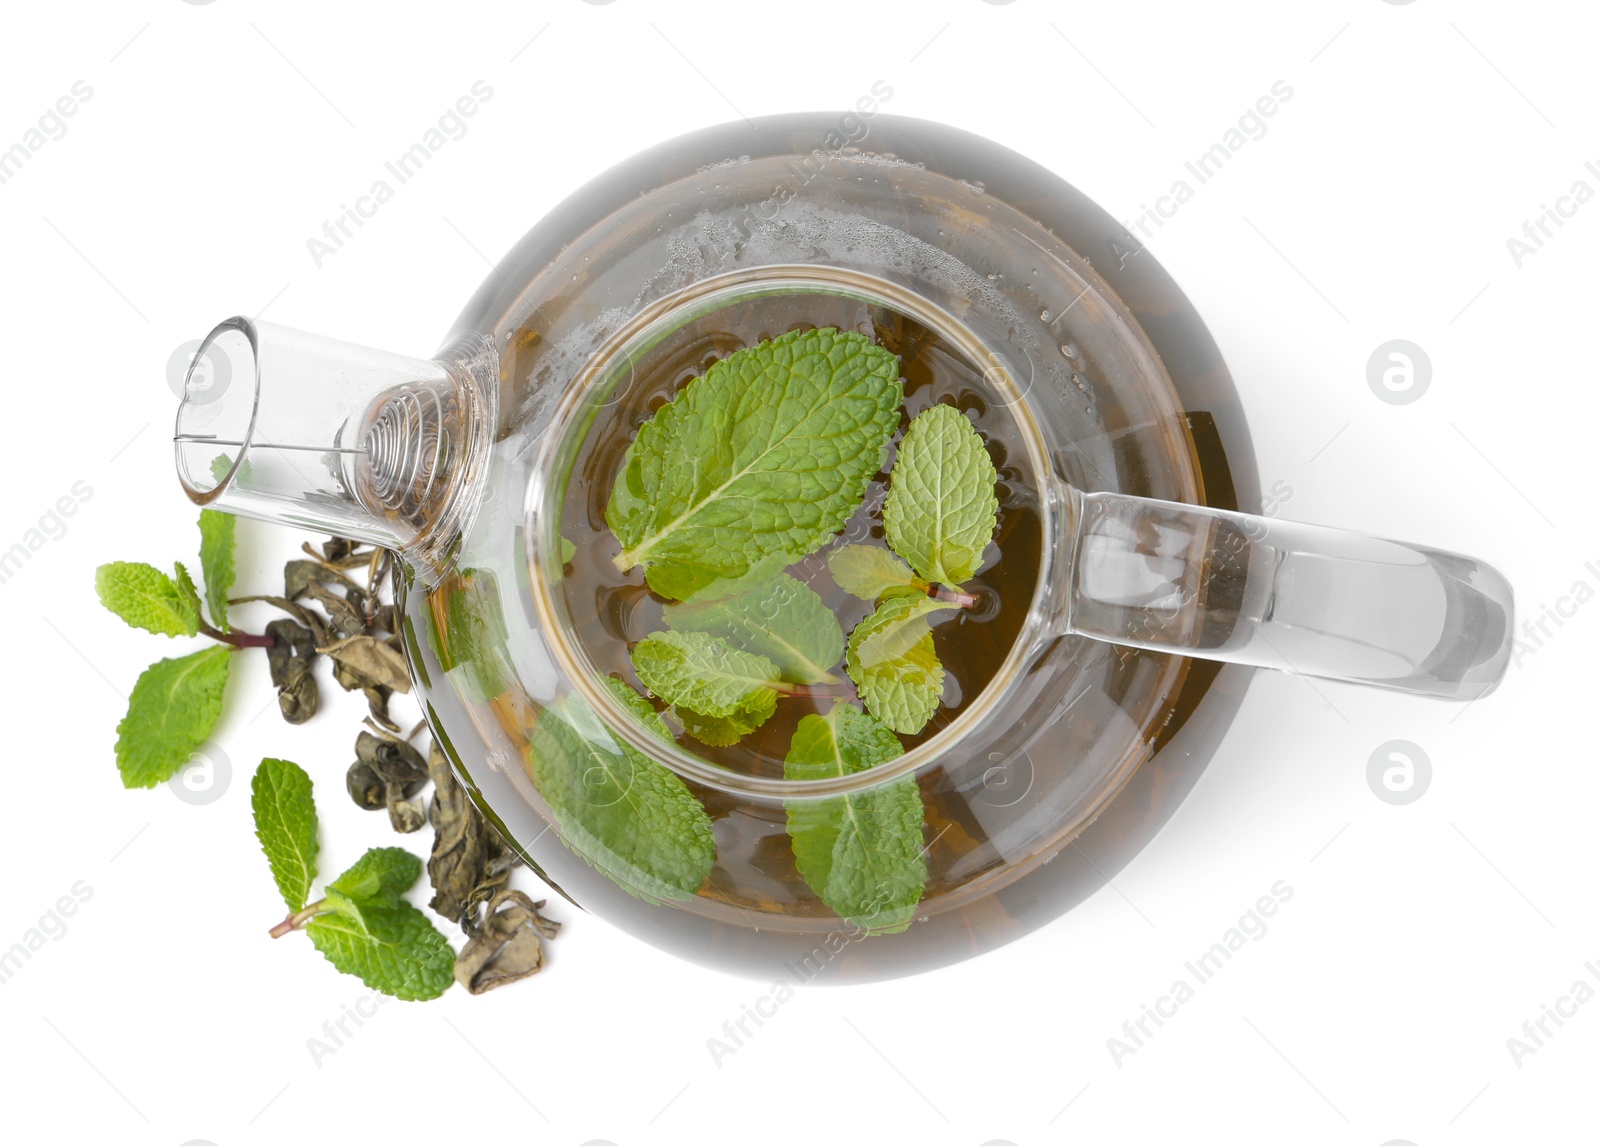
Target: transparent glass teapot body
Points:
(1116, 574)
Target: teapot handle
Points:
(1304, 599)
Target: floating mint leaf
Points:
(892, 660)
(473, 645)
(286, 825)
(783, 620)
(173, 708)
(147, 598)
(868, 572)
(568, 551)
(628, 816)
(216, 562)
(704, 674)
(941, 509)
(769, 451)
(640, 707)
(760, 573)
(720, 731)
(380, 874)
(862, 853)
(389, 946)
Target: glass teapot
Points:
(1119, 569)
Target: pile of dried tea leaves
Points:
(338, 606)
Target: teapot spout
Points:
(324, 435)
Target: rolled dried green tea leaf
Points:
(368, 660)
(506, 948)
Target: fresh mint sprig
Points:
(361, 924)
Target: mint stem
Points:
(238, 639)
(839, 691)
(298, 919)
(954, 596)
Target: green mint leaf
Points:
(626, 815)
(221, 464)
(704, 674)
(391, 947)
(640, 707)
(868, 572)
(783, 620)
(186, 587)
(892, 660)
(173, 708)
(286, 825)
(473, 647)
(147, 598)
(862, 853)
(720, 731)
(383, 874)
(941, 509)
(769, 451)
(568, 551)
(216, 562)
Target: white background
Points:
(1419, 138)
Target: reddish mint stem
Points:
(955, 597)
(237, 639)
(298, 919)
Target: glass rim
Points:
(571, 422)
(246, 327)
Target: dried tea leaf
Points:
(307, 617)
(507, 948)
(292, 642)
(456, 865)
(378, 706)
(344, 616)
(405, 816)
(394, 761)
(300, 575)
(364, 786)
(367, 660)
(289, 660)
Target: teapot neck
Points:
(285, 426)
